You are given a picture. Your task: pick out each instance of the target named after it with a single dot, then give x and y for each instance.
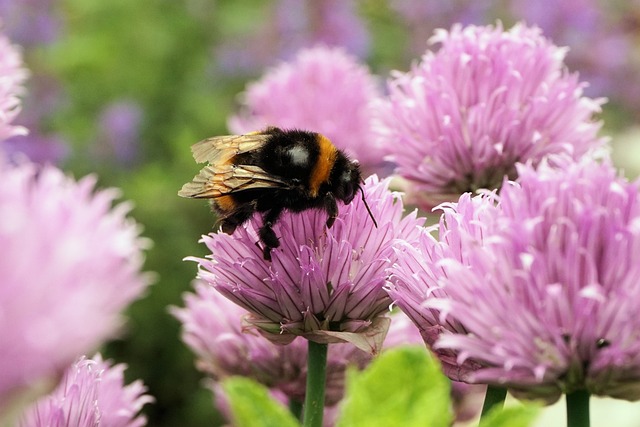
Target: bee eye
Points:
(347, 187)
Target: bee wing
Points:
(221, 149)
(216, 181)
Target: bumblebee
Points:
(269, 172)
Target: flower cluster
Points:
(88, 257)
(91, 393)
(323, 284)
(465, 115)
(531, 288)
(212, 328)
(13, 76)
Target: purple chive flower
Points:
(535, 289)
(463, 116)
(91, 393)
(119, 132)
(302, 24)
(422, 17)
(13, 126)
(212, 328)
(323, 284)
(30, 22)
(12, 76)
(70, 263)
(324, 90)
(292, 25)
(601, 38)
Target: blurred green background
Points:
(123, 88)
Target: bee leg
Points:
(230, 222)
(266, 233)
(331, 207)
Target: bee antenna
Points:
(367, 206)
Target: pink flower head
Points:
(92, 393)
(538, 291)
(324, 90)
(463, 116)
(12, 76)
(323, 284)
(70, 263)
(212, 328)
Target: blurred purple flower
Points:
(212, 328)
(302, 24)
(88, 256)
(422, 17)
(463, 117)
(119, 132)
(538, 292)
(92, 393)
(292, 25)
(324, 90)
(36, 147)
(600, 41)
(42, 97)
(12, 76)
(323, 284)
(30, 22)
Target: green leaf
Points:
(513, 416)
(252, 406)
(403, 387)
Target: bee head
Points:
(349, 184)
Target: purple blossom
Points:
(323, 89)
(422, 17)
(601, 39)
(12, 76)
(535, 289)
(42, 96)
(92, 393)
(30, 22)
(323, 284)
(38, 148)
(119, 132)
(70, 263)
(212, 328)
(302, 24)
(463, 116)
(291, 25)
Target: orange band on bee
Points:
(322, 169)
(225, 203)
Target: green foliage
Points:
(513, 416)
(252, 406)
(404, 387)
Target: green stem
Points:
(295, 407)
(495, 397)
(578, 409)
(316, 380)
